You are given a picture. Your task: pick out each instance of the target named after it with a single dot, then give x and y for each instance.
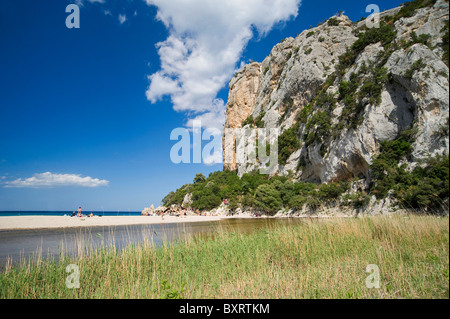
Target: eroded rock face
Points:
(241, 100)
(416, 95)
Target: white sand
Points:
(38, 222)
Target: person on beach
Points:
(79, 212)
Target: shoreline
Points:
(8, 223)
(233, 264)
(30, 222)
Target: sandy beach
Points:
(39, 222)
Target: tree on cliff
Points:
(199, 178)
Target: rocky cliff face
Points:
(341, 89)
(241, 103)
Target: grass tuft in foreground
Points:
(316, 259)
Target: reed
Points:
(323, 258)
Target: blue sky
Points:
(93, 107)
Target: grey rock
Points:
(291, 76)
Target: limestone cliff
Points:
(342, 88)
(241, 101)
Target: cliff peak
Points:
(339, 90)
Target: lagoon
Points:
(20, 245)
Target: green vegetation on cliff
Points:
(360, 84)
(425, 188)
(256, 191)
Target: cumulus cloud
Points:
(213, 159)
(205, 43)
(122, 18)
(49, 179)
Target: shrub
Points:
(348, 88)
(385, 170)
(373, 85)
(318, 127)
(332, 191)
(353, 97)
(422, 39)
(259, 120)
(445, 43)
(409, 8)
(177, 197)
(286, 189)
(199, 178)
(288, 143)
(345, 61)
(416, 66)
(248, 121)
(168, 198)
(351, 114)
(297, 202)
(426, 187)
(325, 100)
(205, 201)
(356, 200)
(333, 22)
(304, 113)
(313, 202)
(268, 199)
(384, 34)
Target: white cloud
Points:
(205, 44)
(215, 158)
(122, 18)
(81, 2)
(53, 180)
(214, 118)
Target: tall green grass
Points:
(316, 259)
